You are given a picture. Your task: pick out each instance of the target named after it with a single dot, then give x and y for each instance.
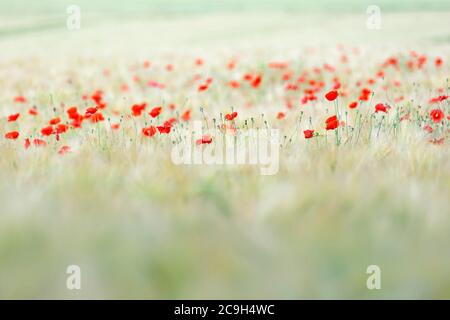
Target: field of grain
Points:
(89, 117)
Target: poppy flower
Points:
(13, 117)
(61, 128)
(353, 105)
(33, 111)
(39, 142)
(20, 99)
(308, 134)
(13, 135)
(149, 131)
(437, 141)
(438, 99)
(27, 143)
(47, 131)
(115, 126)
(90, 111)
(186, 116)
(155, 112)
(428, 128)
(234, 84)
(137, 109)
(281, 115)
(256, 81)
(380, 107)
(231, 116)
(203, 87)
(97, 117)
(437, 115)
(332, 123)
(332, 95)
(164, 128)
(438, 62)
(55, 121)
(365, 93)
(64, 149)
(206, 139)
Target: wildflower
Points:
(155, 112)
(47, 131)
(308, 134)
(149, 131)
(13, 135)
(231, 116)
(332, 95)
(380, 107)
(137, 109)
(206, 139)
(437, 115)
(280, 115)
(20, 99)
(33, 111)
(353, 105)
(332, 123)
(61, 128)
(186, 116)
(13, 117)
(97, 117)
(438, 99)
(64, 149)
(39, 142)
(256, 81)
(55, 121)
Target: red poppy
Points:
(149, 131)
(55, 121)
(13, 135)
(206, 139)
(281, 115)
(90, 111)
(231, 116)
(332, 123)
(164, 128)
(203, 87)
(20, 99)
(437, 115)
(438, 99)
(97, 117)
(137, 109)
(186, 116)
(353, 105)
(428, 128)
(33, 111)
(61, 128)
(234, 84)
(39, 142)
(332, 95)
(438, 62)
(27, 143)
(257, 81)
(64, 149)
(308, 134)
(47, 131)
(13, 117)
(115, 126)
(155, 112)
(72, 110)
(380, 107)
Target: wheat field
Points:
(96, 186)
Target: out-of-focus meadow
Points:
(140, 226)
